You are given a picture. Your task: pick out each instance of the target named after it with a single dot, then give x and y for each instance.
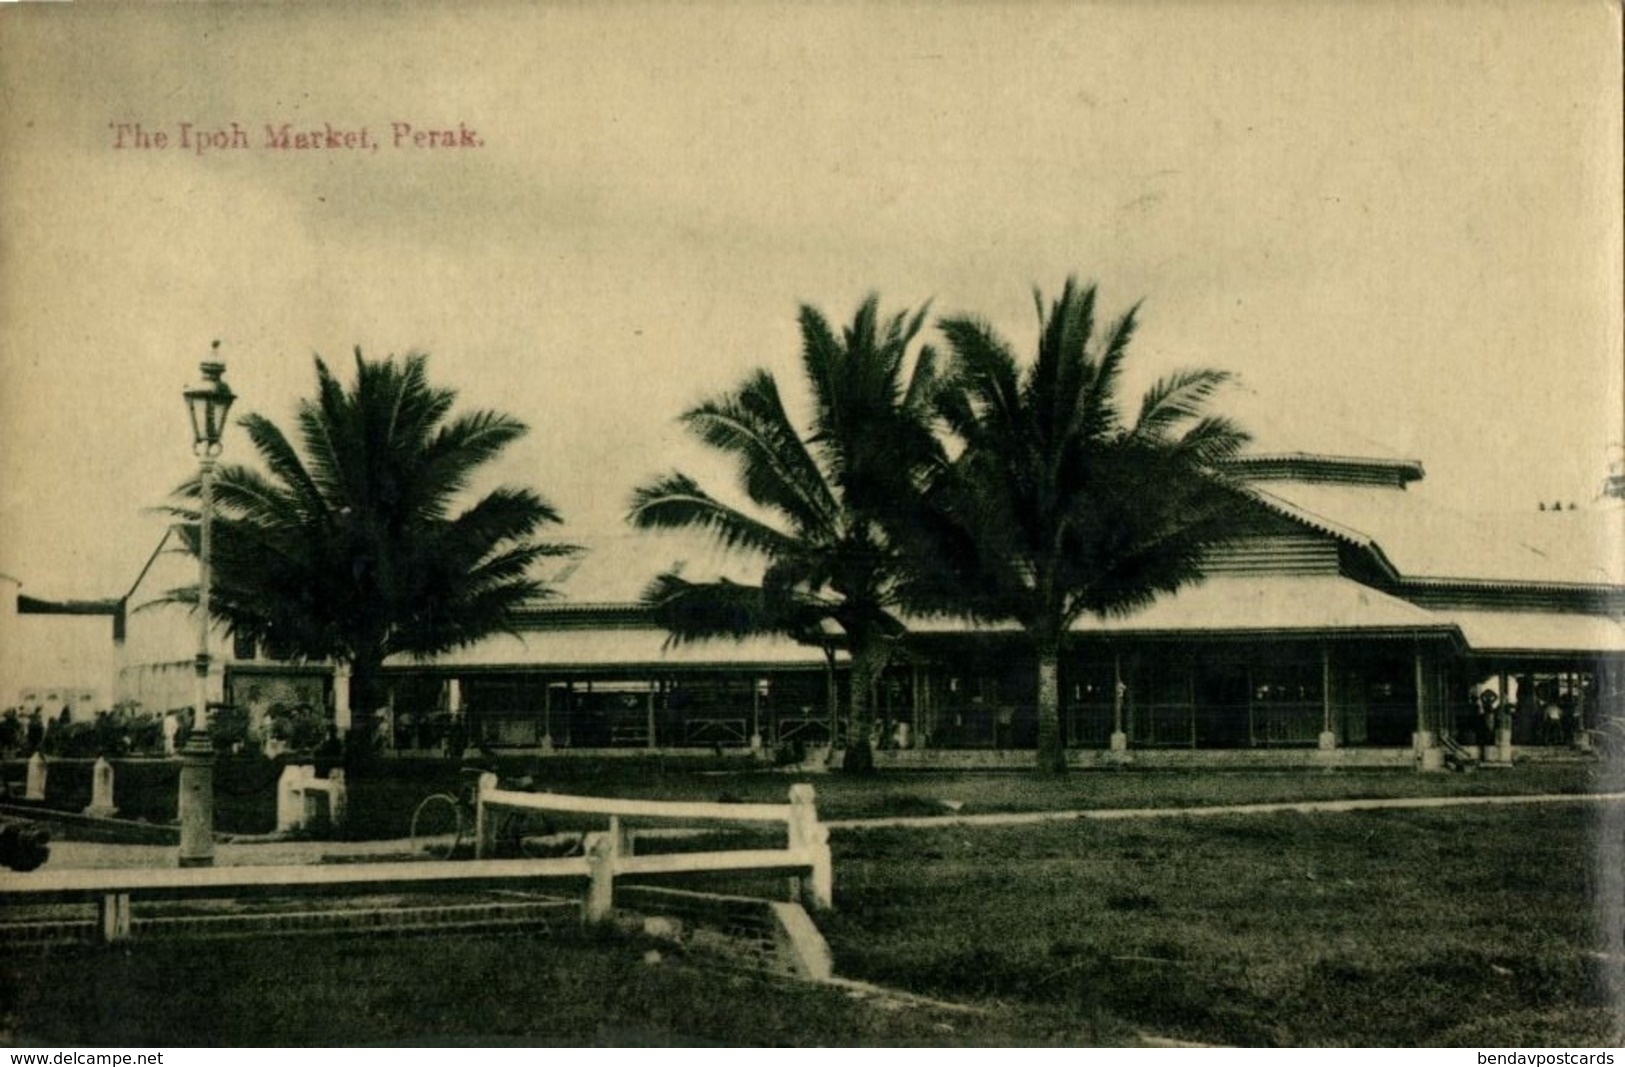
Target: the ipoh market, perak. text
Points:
(285, 136)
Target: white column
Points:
(649, 707)
(341, 697)
(1119, 740)
(1503, 722)
(1429, 757)
(547, 716)
(1328, 736)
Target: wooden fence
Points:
(806, 858)
(806, 851)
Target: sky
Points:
(1398, 224)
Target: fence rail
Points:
(806, 858)
(806, 847)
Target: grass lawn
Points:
(1441, 927)
(1470, 926)
(452, 989)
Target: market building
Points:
(56, 656)
(1354, 622)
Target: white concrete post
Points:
(808, 835)
(290, 800)
(485, 824)
(36, 777)
(101, 790)
(600, 899)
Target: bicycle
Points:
(443, 826)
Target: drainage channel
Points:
(57, 924)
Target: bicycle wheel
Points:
(437, 826)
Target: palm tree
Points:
(1056, 504)
(821, 504)
(354, 550)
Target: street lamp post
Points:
(208, 404)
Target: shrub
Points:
(300, 727)
(229, 728)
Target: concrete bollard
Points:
(36, 778)
(808, 835)
(101, 790)
(290, 798)
(299, 793)
(1429, 756)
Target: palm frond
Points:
(350, 548)
(776, 470)
(699, 611)
(676, 502)
(1177, 398)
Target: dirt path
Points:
(260, 853)
(1023, 818)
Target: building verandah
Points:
(634, 706)
(1172, 693)
(1404, 693)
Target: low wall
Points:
(988, 759)
(1158, 758)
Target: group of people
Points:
(1560, 716)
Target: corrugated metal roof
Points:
(1249, 604)
(1538, 631)
(1426, 541)
(631, 648)
(1279, 422)
(615, 569)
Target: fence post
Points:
(101, 790)
(485, 823)
(36, 778)
(600, 900)
(621, 836)
(114, 913)
(809, 836)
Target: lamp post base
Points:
(196, 805)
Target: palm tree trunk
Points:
(360, 748)
(1051, 752)
(868, 660)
